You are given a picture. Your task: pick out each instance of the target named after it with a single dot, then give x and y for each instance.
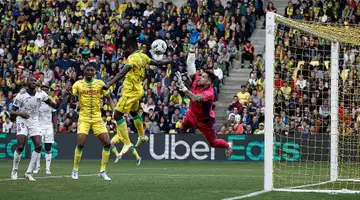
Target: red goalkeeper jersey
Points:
(202, 110)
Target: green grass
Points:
(152, 180)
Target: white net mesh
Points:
(303, 107)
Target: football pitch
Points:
(152, 180)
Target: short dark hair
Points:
(210, 75)
(89, 65)
(131, 43)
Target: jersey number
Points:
(20, 126)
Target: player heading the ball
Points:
(131, 93)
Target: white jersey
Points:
(46, 114)
(29, 104)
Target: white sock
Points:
(37, 166)
(48, 160)
(34, 157)
(16, 161)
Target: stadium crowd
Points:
(302, 77)
(55, 39)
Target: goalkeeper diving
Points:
(201, 95)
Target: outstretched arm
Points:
(156, 62)
(119, 76)
(159, 62)
(187, 92)
(190, 62)
(193, 97)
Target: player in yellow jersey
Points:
(132, 91)
(90, 92)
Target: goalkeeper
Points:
(201, 95)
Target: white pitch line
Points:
(247, 195)
(166, 175)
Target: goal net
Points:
(312, 94)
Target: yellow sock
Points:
(77, 158)
(122, 129)
(135, 153)
(114, 150)
(139, 125)
(104, 158)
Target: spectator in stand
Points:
(7, 126)
(269, 8)
(154, 128)
(235, 105)
(54, 40)
(231, 51)
(231, 122)
(247, 54)
(219, 79)
(298, 15)
(289, 10)
(248, 130)
(260, 130)
(243, 95)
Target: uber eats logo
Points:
(8, 145)
(254, 150)
(177, 149)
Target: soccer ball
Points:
(159, 46)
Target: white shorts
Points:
(47, 132)
(29, 129)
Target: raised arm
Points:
(190, 62)
(193, 97)
(118, 76)
(155, 62)
(159, 62)
(187, 92)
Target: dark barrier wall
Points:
(185, 147)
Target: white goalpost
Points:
(325, 160)
(312, 108)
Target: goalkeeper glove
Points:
(180, 83)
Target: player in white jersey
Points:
(26, 110)
(48, 126)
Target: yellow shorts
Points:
(116, 139)
(128, 103)
(97, 125)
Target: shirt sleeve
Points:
(208, 95)
(146, 58)
(18, 100)
(44, 96)
(75, 88)
(131, 61)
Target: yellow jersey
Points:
(176, 100)
(89, 94)
(134, 78)
(243, 97)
